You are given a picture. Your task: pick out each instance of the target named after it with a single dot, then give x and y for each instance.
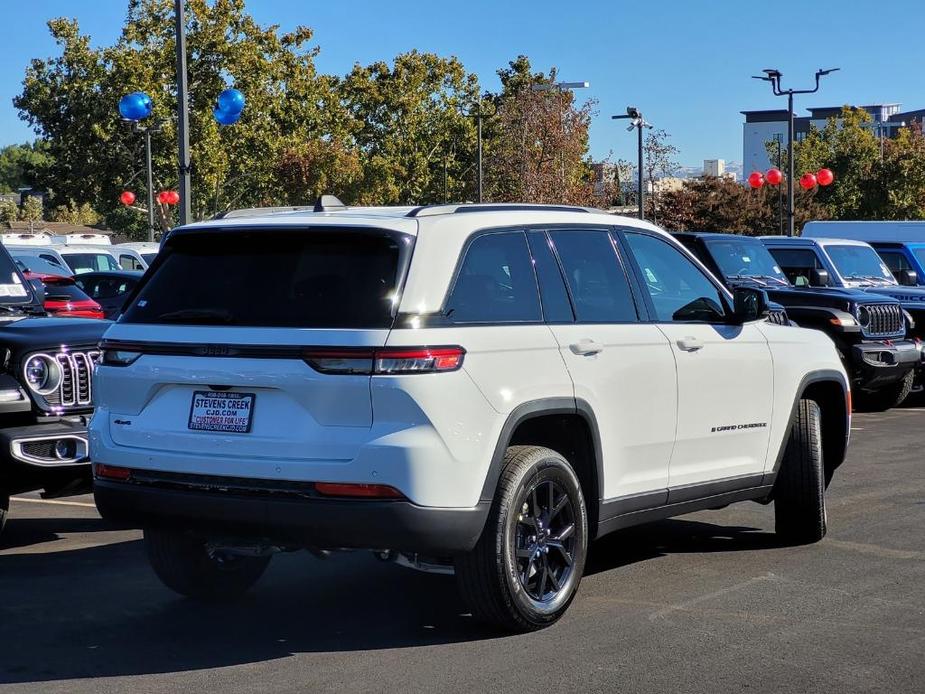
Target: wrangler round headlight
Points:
(43, 375)
(864, 316)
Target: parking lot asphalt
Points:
(704, 603)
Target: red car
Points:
(64, 299)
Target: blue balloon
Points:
(224, 117)
(231, 101)
(135, 106)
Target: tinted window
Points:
(496, 282)
(51, 259)
(797, 263)
(105, 287)
(598, 284)
(91, 262)
(64, 292)
(679, 290)
(556, 305)
(40, 265)
(895, 260)
(309, 279)
(130, 262)
(149, 257)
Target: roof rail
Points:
(257, 211)
(431, 210)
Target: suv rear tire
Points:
(889, 396)
(525, 569)
(185, 565)
(799, 491)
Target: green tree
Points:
(9, 211)
(71, 100)
(32, 209)
(72, 213)
(408, 122)
(19, 165)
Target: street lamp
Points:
(560, 87)
(479, 115)
(134, 108)
(639, 122)
(773, 76)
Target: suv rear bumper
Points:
(304, 522)
(877, 364)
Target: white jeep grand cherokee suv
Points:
(485, 388)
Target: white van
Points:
(25, 238)
(146, 249)
(79, 258)
(869, 232)
(82, 239)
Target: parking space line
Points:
(52, 501)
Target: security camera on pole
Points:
(637, 121)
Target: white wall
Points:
(754, 137)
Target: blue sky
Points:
(685, 63)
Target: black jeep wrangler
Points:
(46, 395)
(870, 331)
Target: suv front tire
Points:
(525, 569)
(799, 491)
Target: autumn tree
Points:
(539, 142)
(72, 213)
(32, 209)
(659, 161)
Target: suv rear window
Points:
(306, 279)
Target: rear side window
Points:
(556, 305)
(64, 292)
(91, 262)
(307, 279)
(595, 276)
(496, 283)
(797, 263)
(130, 262)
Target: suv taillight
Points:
(385, 360)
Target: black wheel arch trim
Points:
(810, 379)
(540, 408)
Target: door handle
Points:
(586, 348)
(690, 344)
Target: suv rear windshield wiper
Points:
(197, 315)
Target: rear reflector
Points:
(366, 491)
(384, 361)
(111, 472)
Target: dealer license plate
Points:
(217, 411)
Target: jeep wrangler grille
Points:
(884, 320)
(778, 317)
(76, 389)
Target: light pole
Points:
(560, 87)
(773, 76)
(147, 132)
(182, 113)
(639, 122)
(479, 116)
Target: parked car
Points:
(147, 250)
(900, 244)
(846, 263)
(41, 266)
(868, 330)
(64, 299)
(30, 255)
(45, 392)
(82, 258)
(527, 379)
(108, 289)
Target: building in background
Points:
(761, 127)
(714, 167)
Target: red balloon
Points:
(162, 197)
(173, 197)
(127, 198)
(755, 179)
(807, 181)
(825, 177)
(774, 177)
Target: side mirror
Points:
(749, 304)
(38, 288)
(818, 277)
(907, 278)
